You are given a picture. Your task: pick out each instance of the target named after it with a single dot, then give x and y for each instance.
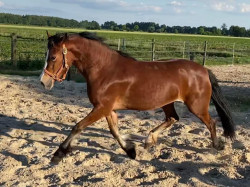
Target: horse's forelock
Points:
(50, 44)
(56, 39)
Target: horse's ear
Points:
(48, 33)
(65, 36)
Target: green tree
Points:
(151, 29)
(136, 28)
(93, 25)
(237, 31)
(216, 31)
(201, 30)
(163, 28)
(124, 27)
(224, 30)
(248, 33)
(84, 24)
(110, 25)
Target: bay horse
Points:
(116, 81)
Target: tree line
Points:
(111, 25)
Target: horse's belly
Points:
(149, 104)
(149, 97)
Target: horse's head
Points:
(57, 61)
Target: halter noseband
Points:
(64, 65)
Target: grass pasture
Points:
(32, 41)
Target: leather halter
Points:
(55, 76)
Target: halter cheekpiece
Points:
(55, 76)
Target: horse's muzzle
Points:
(47, 82)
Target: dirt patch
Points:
(33, 122)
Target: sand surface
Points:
(33, 122)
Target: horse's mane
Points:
(57, 38)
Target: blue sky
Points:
(169, 12)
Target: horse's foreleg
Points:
(65, 147)
(128, 147)
(171, 118)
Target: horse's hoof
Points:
(147, 145)
(220, 145)
(60, 154)
(131, 153)
(150, 141)
(56, 159)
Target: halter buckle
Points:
(65, 51)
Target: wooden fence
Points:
(30, 49)
(21, 49)
(201, 52)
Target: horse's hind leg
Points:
(171, 118)
(128, 147)
(199, 107)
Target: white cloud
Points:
(230, 6)
(113, 5)
(178, 10)
(1, 4)
(245, 8)
(223, 6)
(144, 7)
(176, 3)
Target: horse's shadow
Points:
(9, 125)
(68, 92)
(186, 170)
(189, 173)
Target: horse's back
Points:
(155, 84)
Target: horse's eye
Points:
(53, 58)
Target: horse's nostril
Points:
(42, 83)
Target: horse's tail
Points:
(222, 107)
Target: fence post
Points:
(153, 50)
(191, 56)
(123, 44)
(13, 49)
(233, 53)
(183, 51)
(205, 54)
(119, 44)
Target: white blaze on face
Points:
(45, 65)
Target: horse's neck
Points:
(95, 58)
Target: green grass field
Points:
(40, 32)
(31, 46)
